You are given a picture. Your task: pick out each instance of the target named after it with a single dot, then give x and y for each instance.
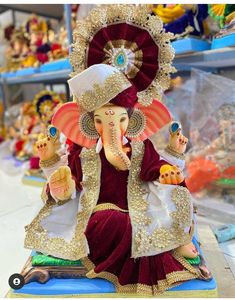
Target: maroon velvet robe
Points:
(109, 231)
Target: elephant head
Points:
(111, 123)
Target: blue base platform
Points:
(97, 287)
(83, 286)
(190, 44)
(225, 41)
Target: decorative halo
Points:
(75, 125)
(130, 39)
(45, 102)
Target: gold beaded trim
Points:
(161, 238)
(37, 237)
(104, 206)
(101, 94)
(174, 153)
(50, 162)
(136, 15)
(172, 279)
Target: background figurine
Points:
(183, 19)
(44, 105)
(37, 31)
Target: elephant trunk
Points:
(112, 141)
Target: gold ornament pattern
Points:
(132, 56)
(87, 126)
(162, 237)
(111, 206)
(101, 94)
(136, 124)
(37, 237)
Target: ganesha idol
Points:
(112, 202)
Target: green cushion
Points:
(46, 260)
(194, 261)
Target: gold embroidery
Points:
(161, 238)
(172, 279)
(182, 215)
(137, 16)
(37, 237)
(136, 203)
(44, 195)
(102, 94)
(104, 206)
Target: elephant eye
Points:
(123, 119)
(98, 121)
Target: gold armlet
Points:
(50, 162)
(174, 153)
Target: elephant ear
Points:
(76, 125)
(147, 120)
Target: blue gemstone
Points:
(53, 131)
(120, 59)
(174, 127)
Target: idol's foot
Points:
(191, 254)
(205, 272)
(188, 251)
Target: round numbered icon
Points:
(16, 281)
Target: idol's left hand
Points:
(170, 175)
(178, 142)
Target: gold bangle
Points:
(174, 153)
(50, 162)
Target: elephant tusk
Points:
(99, 145)
(124, 140)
